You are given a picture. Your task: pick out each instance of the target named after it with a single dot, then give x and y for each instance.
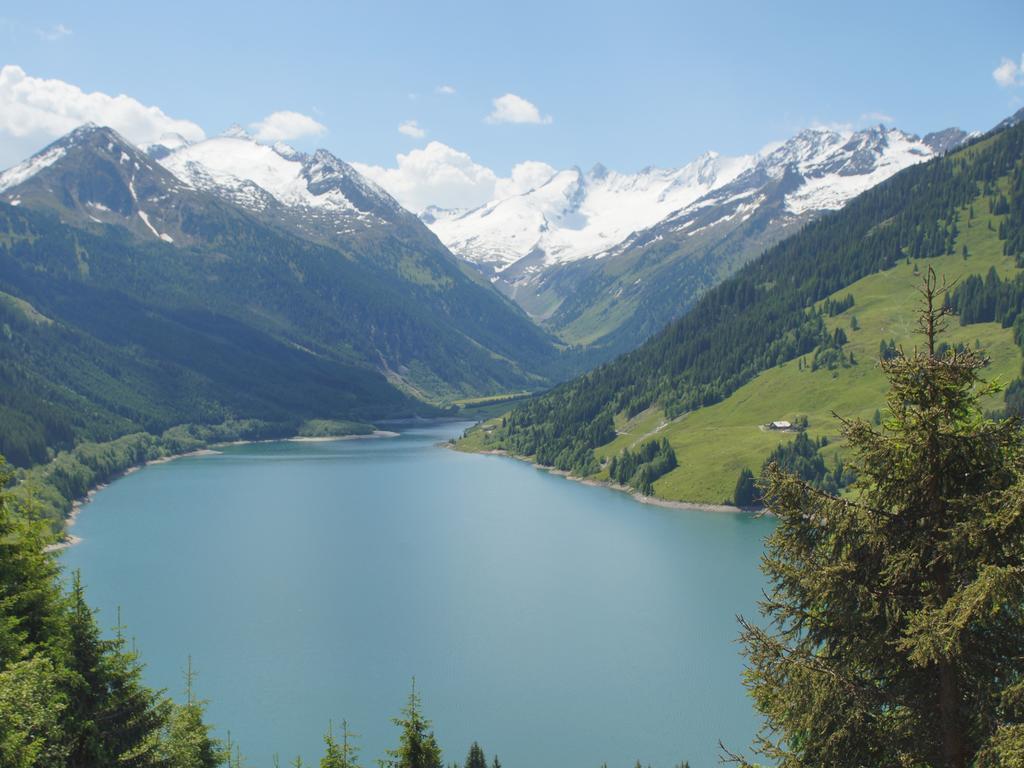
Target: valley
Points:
(393, 391)
(718, 429)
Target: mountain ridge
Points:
(613, 296)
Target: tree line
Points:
(640, 468)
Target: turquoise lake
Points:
(557, 624)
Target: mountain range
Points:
(150, 286)
(607, 259)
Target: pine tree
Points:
(475, 758)
(343, 755)
(417, 746)
(895, 630)
(31, 604)
(115, 719)
(186, 741)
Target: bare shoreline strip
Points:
(376, 434)
(690, 506)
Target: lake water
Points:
(557, 624)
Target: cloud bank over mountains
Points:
(37, 107)
(286, 126)
(35, 110)
(449, 178)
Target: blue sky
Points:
(627, 84)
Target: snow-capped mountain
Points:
(93, 173)
(575, 214)
(600, 258)
(94, 176)
(317, 193)
(620, 294)
(273, 241)
(821, 169)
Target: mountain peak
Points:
(943, 141)
(91, 132)
(318, 195)
(286, 150)
(88, 137)
(94, 176)
(236, 131)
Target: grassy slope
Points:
(713, 444)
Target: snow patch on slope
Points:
(229, 162)
(145, 220)
(575, 215)
(842, 172)
(319, 188)
(26, 170)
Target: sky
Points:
(453, 103)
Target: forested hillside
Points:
(771, 312)
(102, 337)
(133, 302)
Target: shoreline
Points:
(690, 506)
(69, 539)
(375, 435)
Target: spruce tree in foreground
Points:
(417, 746)
(895, 620)
(476, 757)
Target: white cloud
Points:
(434, 175)
(445, 90)
(40, 109)
(285, 126)
(446, 177)
(515, 109)
(525, 176)
(1009, 72)
(877, 117)
(53, 33)
(835, 126)
(412, 128)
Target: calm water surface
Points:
(557, 624)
